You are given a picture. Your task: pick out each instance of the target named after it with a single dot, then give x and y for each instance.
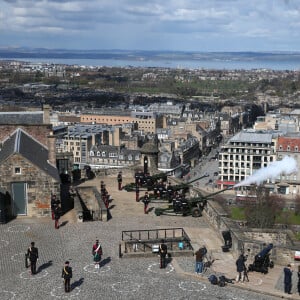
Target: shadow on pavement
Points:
(105, 261)
(44, 266)
(77, 283)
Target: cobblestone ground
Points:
(127, 278)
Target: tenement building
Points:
(245, 153)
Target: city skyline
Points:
(206, 25)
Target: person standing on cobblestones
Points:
(67, 275)
(146, 202)
(199, 261)
(163, 250)
(57, 213)
(97, 253)
(33, 254)
(119, 178)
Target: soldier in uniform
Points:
(67, 275)
(57, 213)
(146, 202)
(119, 178)
(53, 205)
(137, 193)
(33, 254)
(163, 250)
(97, 253)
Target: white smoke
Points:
(286, 166)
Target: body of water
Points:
(214, 64)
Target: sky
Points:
(176, 25)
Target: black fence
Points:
(146, 240)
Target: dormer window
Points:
(92, 153)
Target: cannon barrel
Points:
(187, 184)
(265, 251)
(216, 193)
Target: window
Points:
(17, 170)
(129, 157)
(288, 148)
(98, 153)
(91, 153)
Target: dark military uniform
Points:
(67, 275)
(146, 202)
(33, 254)
(119, 178)
(163, 250)
(57, 213)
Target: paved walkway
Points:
(138, 278)
(201, 233)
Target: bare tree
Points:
(262, 213)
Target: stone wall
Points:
(39, 184)
(250, 240)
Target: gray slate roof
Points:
(252, 137)
(22, 117)
(25, 145)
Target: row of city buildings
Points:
(38, 147)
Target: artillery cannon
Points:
(167, 193)
(185, 186)
(146, 181)
(262, 261)
(181, 206)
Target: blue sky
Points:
(184, 25)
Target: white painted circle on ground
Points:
(7, 295)
(19, 257)
(168, 269)
(126, 287)
(3, 243)
(192, 286)
(259, 281)
(39, 275)
(18, 228)
(91, 269)
(60, 293)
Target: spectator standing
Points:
(298, 285)
(199, 261)
(240, 268)
(288, 272)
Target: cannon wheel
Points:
(196, 212)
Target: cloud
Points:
(186, 23)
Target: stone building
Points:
(28, 174)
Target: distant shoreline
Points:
(147, 59)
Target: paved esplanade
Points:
(136, 278)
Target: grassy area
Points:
(285, 217)
(289, 218)
(238, 213)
